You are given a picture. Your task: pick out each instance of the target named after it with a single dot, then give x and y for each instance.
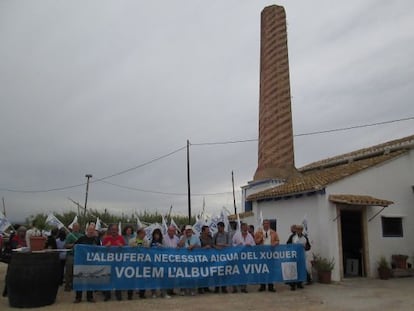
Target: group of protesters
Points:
(186, 238)
(189, 240)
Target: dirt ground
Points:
(351, 294)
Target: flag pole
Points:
(4, 207)
(234, 197)
(188, 182)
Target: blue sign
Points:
(106, 268)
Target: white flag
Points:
(75, 220)
(305, 225)
(164, 227)
(224, 217)
(53, 221)
(238, 223)
(4, 222)
(139, 223)
(172, 223)
(98, 225)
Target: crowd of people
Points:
(60, 239)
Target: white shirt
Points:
(267, 238)
(170, 242)
(239, 239)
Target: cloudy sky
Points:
(103, 87)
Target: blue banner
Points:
(106, 268)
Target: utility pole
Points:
(88, 176)
(234, 197)
(188, 181)
(4, 207)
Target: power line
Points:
(96, 180)
(307, 134)
(355, 127)
(164, 193)
(200, 144)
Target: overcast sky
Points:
(99, 87)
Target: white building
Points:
(359, 206)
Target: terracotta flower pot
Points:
(324, 277)
(37, 243)
(384, 273)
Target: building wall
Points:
(390, 181)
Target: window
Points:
(392, 227)
(248, 206)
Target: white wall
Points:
(392, 181)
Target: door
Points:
(352, 243)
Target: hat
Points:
(188, 227)
(220, 223)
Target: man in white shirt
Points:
(171, 239)
(242, 238)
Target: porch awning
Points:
(363, 200)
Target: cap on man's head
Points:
(188, 227)
(220, 224)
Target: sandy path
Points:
(352, 294)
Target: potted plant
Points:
(324, 267)
(384, 269)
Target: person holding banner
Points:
(242, 238)
(157, 241)
(221, 240)
(90, 239)
(140, 241)
(206, 241)
(71, 238)
(111, 239)
(171, 240)
(189, 241)
(266, 236)
(128, 234)
(300, 238)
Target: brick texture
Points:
(276, 155)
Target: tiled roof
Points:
(358, 200)
(316, 176)
(241, 215)
(398, 144)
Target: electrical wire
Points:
(165, 193)
(307, 134)
(99, 179)
(196, 144)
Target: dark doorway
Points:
(352, 245)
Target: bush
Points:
(323, 264)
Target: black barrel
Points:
(33, 279)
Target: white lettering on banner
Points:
(248, 256)
(255, 268)
(136, 272)
(196, 272)
(278, 255)
(117, 257)
(179, 258)
(224, 257)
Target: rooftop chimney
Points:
(276, 156)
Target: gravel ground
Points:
(351, 294)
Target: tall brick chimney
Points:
(276, 156)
